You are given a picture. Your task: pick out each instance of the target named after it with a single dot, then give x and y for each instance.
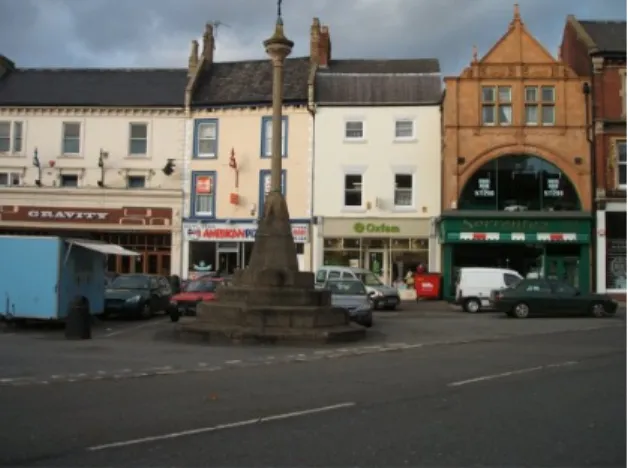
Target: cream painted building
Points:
(227, 158)
(377, 165)
(84, 153)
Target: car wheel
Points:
(521, 310)
(472, 306)
(146, 312)
(390, 307)
(598, 310)
(368, 323)
(174, 315)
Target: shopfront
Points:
(549, 245)
(147, 231)
(388, 247)
(611, 249)
(227, 246)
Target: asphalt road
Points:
(545, 400)
(124, 348)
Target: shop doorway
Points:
(377, 262)
(563, 269)
(227, 257)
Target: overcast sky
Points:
(157, 33)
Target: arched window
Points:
(519, 183)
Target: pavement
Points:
(122, 349)
(551, 399)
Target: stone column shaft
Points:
(277, 126)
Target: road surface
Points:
(538, 400)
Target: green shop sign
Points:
(375, 228)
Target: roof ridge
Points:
(99, 69)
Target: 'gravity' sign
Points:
(68, 215)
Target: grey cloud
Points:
(157, 32)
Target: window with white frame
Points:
(10, 179)
(403, 189)
(136, 182)
(138, 139)
(207, 139)
(354, 130)
(268, 137)
(496, 105)
(71, 138)
(11, 137)
(68, 180)
(404, 129)
(540, 105)
(620, 151)
(353, 190)
(204, 195)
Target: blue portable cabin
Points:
(40, 276)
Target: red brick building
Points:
(597, 50)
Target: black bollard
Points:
(78, 323)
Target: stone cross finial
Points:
(475, 53)
(517, 14)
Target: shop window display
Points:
(616, 251)
(519, 183)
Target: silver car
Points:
(351, 295)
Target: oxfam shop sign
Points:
(375, 228)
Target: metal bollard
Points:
(78, 323)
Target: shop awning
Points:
(103, 248)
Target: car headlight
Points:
(134, 299)
(366, 305)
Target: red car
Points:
(193, 292)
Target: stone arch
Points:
(579, 179)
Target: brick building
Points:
(516, 172)
(597, 50)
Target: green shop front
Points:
(548, 245)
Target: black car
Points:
(550, 297)
(137, 295)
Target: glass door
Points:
(227, 257)
(377, 262)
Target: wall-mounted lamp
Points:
(101, 164)
(38, 166)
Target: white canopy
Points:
(103, 248)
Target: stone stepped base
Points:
(191, 328)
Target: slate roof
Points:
(609, 36)
(379, 82)
(250, 82)
(94, 87)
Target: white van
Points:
(383, 296)
(474, 285)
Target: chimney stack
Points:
(320, 44)
(324, 51)
(193, 60)
(208, 44)
(315, 30)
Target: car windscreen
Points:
(369, 279)
(130, 282)
(201, 286)
(346, 288)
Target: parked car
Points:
(474, 286)
(352, 296)
(543, 297)
(383, 296)
(195, 291)
(137, 295)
